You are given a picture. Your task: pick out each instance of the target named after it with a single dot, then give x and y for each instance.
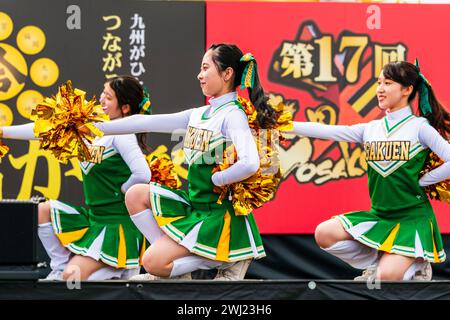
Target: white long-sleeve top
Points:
(428, 137)
(235, 128)
(126, 145)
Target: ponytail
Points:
(246, 75)
(439, 118)
(430, 107)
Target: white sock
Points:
(147, 225)
(354, 253)
(128, 273)
(58, 254)
(106, 273)
(411, 271)
(192, 263)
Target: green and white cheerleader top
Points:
(401, 219)
(103, 229)
(193, 218)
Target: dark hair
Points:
(407, 74)
(129, 91)
(229, 56)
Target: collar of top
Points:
(399, 114)
(223, 99)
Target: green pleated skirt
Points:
(112, 238)
(206, 229)
(411, 232)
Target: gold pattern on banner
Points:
(6, 115)
(117, 22)
(14, 71)
(75, 171)
(296, 59)
(315, 58)
(27, 100)
(340, 72)
(385, 54)
(28, 163)
(111, 43)
(111, 47)
(301, 156)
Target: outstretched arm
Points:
(146, 123)
(352, 133)
(429, 137)
(19, 132)
(131, 153)
(236, 128)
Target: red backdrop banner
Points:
(323, 60)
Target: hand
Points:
(215, 178)
(85, 130)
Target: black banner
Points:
(44, 43)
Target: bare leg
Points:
(332, 237)
(44, 212)
(393, 266)
(82, 266)
(137, 198)
(329, 232)
(165, 257)
(159, 257)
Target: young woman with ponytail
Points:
(99, 241)
(191, 231)
(399, 237)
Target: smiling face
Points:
(391, 95)
(109, 102)
(213, 82)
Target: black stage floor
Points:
(218, 290)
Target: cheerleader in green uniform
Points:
(190, 230)
(399, 237)
(99, 241)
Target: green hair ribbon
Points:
(424, 102)
(248, 76)
(145, 105)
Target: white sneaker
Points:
(151, 277)
(425, 273)
(143, 277)
(129, 273)
(186, 276)
(55, 275)
(369, 274)
(236, 272)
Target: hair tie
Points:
(145, 105)
(248, 76)
(424, 102)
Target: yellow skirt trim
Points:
(69, 237)
(389, 242)
(223, 248)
